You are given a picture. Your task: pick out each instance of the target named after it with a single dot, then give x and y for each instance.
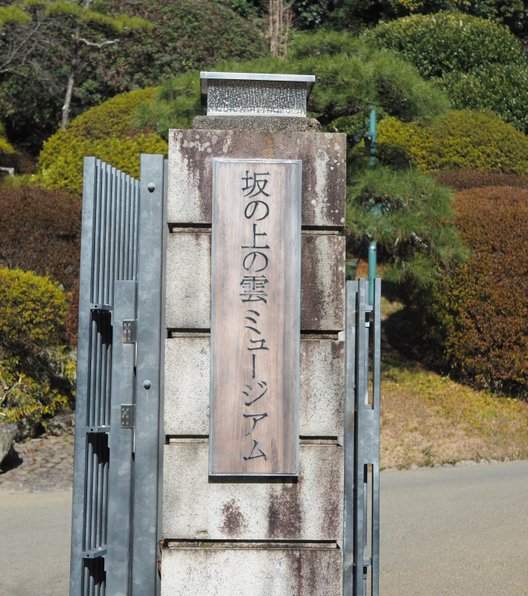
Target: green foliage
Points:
(36, 374)
(410, 217)
(13, 15)
(5, 145)
(108, 132)
(185, 34)
(480, 64)
(29, 112)
(356, 14)
(245, 8)
(26, 401)
(32, 310)
(502, 88)
(478, 312)
(455, 140)
(40, 231)
(188, 34)
(311, 14)
(445, 42)
(509, 12)
(350, 78)
(49, 51)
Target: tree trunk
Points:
(279, 24)
(67, 100)
(71, 78)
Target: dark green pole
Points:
(372, 250)
(373, 150)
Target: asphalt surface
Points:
(452, 531)
(460, 530)
(34, 543)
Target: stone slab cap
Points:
(255, 94)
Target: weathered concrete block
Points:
(323, 282)
(190, 166)
(188, 303)
(236, 571)
(188, 275)
(187, 387)
(310, 509)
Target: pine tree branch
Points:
(100, 45)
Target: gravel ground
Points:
(44, 464)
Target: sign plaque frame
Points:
(255, 318)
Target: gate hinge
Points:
(127, 416)
(129, 331)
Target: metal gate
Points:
(362, 439)
(118, 414)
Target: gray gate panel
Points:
(150, 334)
(362, 441)
(108, 254)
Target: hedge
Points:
(480, 64)
(32, 311)
(448, 42)
(477, 314)
(36, 373)
(456, 140)
(40, 231)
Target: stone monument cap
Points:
(255, 94)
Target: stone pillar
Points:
(254, 536)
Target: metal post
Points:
(150, 335)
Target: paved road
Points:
(455, 531)
(459, 531)
(34, 543)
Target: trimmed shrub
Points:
(456, 140)
(410, 217)
(497, 87)
(109, 132)
(72, 316)
(36, 374)
(40, 231)
(465, 179)
(27, 402)
(32, 310)
(480, 64)
(448, 42)
(477, 314)
(355, 14)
